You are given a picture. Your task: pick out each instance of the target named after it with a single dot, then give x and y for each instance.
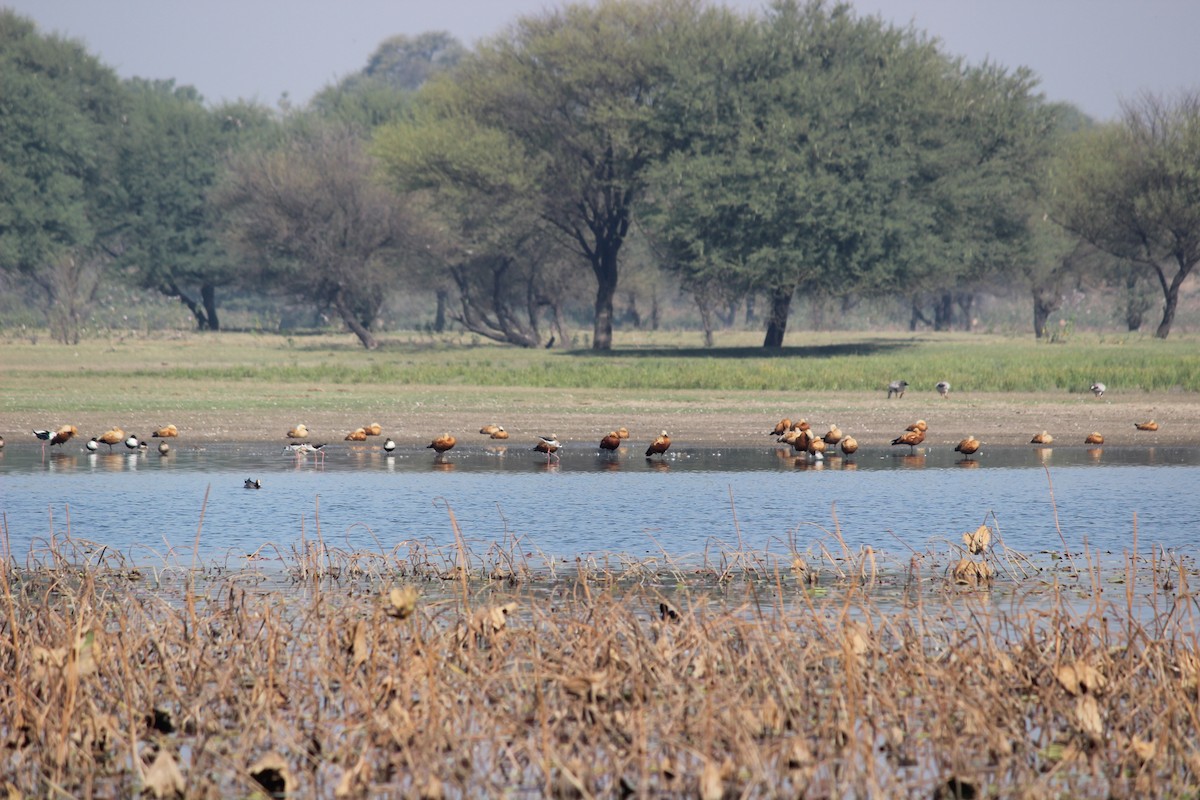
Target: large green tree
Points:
(168, 158)
(575, 88)
(1132, 189)
(313, 223)
(60, 109)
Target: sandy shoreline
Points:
(999, 420)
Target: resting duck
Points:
(659, 445)
(968, 446)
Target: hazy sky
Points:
(1089, 52)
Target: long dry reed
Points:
(434, 674)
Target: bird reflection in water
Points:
(440, 464)
(1094, 453)
(658, 465)
(967, 463)
(913, 461)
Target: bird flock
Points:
(798, 435)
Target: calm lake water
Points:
(697, 499)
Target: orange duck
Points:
(168, 432)
(357, 435)
(1095, 437)
(499, 433)
(610, 442)
(374, 429)
(1042, 438)
(298, 432)
(849, 445)
(659, 445)
(442, 443)
(781, 427)
(1150, 425)
(968, 446)
(911, 438)
(110, 437)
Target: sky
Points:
(1092, 53)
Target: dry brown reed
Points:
(418, 673)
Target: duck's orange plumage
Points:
(488, 430)
(298, 432)
(910, 438)
(1042, 438)
(1094, 437)
(168, 432)
(919, 425)
(623, 432)
(611, 441)
(1146, 426)
(849, 445)
(111, 436)
(374, 429)
(357, 435)
(659, 445)
(834, 435)
(781, 427)
(442, 443)
(63, 435)
(968, 446)
(499, 433)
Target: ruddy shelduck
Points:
(834, 435)
(1042, 438)
(911, 438)
(968, 446)
(623, 432)
(488, 430)
(659, 445)
(919, 425)
(357, 435)
(548, 445)
(167, 432)
(1149, 425)
(298, 432)
(499, 433)
(111, 436)
(611, 441)
(849, 445)
(1095, 437)
(781, 427)
(442, 443)
(374, 429)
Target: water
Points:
(696, 500)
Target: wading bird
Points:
(163, 448)
(659, 445)
(1099, 389)
(611, 441)
(442, 443)
(911, 438)
(849, 445)
(968, 446)
(548, 445)
(897, 388)
(110, 437)
(389, 445)
(834, 435)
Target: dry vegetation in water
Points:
(355, 675)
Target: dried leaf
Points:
(1144, 750)
(354, 781)
(712, 784)
(978, 541)
(1087, 717)
(401, 603)
(358, 643)
(163, 778)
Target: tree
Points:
(1132, 189)
(576, 89)
(59, 111)
(168, 158)
(315, 224)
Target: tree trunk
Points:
(750, 316)
(966, 301)
(1170, 296)
(781, 304)
(918, 316)
(1045, 303)
(208, 293)
(943, 312)
(439, 318)
(605, 266)
(348, 316)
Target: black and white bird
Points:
(1099, 389)
(132, 442)
(163, 448)
(92, 445)
(253, 483)
(548, 445)
(943, 388)
(897, 388)
(389, 445)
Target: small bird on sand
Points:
(357, 435)
(1042, 438)
(499, 433)
(298, 432)
(374, 429)
(166, 432)
(488, 430)
(1099, 389)
(659, 445)
(1095, 437)
(897, 388)
(1149, 425)
(253, 483)
(943, 388)
(968, 446)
